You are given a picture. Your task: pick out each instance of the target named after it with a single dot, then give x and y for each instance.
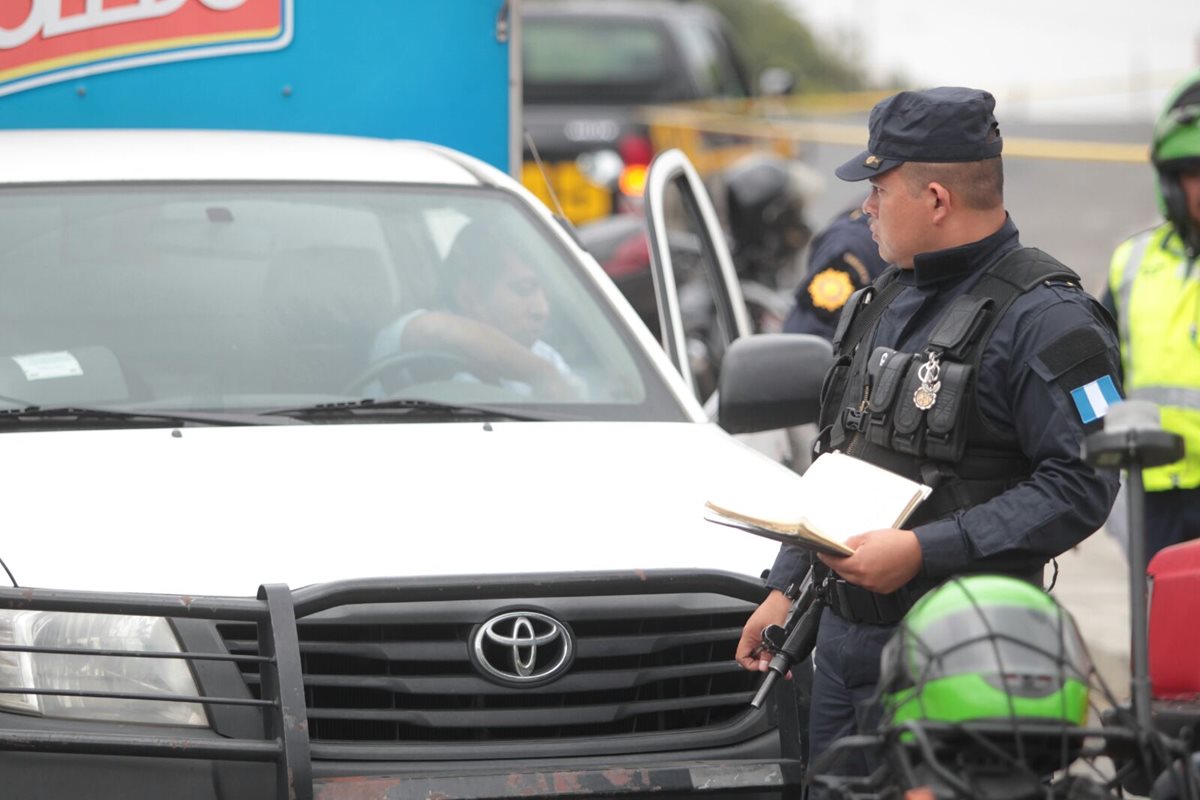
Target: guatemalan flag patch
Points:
(1093, 399)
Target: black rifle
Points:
(794, 640)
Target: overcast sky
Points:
(1101, 58)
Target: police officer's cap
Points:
(946, 124)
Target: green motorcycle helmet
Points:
(1176, 147)
(987, 648)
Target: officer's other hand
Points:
(773, 611)
(883, 561)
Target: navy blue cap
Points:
(945, 124)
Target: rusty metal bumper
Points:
(715, 779)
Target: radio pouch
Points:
(883, 395)
(908, 432)
(960, 326)
(945, 428)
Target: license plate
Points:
(581, 200)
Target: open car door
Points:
(701, 310)
(700, 305)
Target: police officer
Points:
(1154, 292)
(842, 259)
(974, 365)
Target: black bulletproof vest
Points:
(916, 413)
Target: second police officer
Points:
(842, 258)
(973, 364)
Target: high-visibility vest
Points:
(1156, 288)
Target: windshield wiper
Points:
(404, 407)
(176, 417)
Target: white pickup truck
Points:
(479, 578)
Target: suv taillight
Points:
(636, 151)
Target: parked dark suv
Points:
(589, 66)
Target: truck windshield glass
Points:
(619, 60)
(250, 297)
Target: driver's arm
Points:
(485, 345)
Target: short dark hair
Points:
(470, 261)
(979, 184)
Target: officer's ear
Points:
(940, 200)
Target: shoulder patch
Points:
(830, 289)
(1093, 399)
(1078, 363)
(1071, 349)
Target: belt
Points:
(860, 606)
(856, 604)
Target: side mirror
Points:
(776, 81)
(772, 380)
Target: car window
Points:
(582, 60)
(709, 62)
(255, 296)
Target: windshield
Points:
(580, 59)
(584, 60)
(256, 297)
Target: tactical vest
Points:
(1157, 292)
(916, 413)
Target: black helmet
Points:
(765, 202)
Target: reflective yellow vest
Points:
(1156, 289)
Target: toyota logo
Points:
(522, 648)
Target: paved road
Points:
(1093, 584)
(1077, 211)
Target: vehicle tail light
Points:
(633, 180)
(636, 151)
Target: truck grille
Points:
(402, 672)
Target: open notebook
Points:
(838, 496)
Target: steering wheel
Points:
(412, 367)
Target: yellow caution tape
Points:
(683, 121)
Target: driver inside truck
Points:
(494, 312)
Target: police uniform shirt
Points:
(1030, 376)
(842, 259)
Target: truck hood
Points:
(207, 511)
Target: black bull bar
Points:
(285, 740)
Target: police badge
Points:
(926, 394)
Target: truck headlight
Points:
(88, 673)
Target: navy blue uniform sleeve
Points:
(800, 321)
(843, 258)
(789, 567)
(1048, 373)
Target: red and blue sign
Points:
(436, 70)
(45, 41)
